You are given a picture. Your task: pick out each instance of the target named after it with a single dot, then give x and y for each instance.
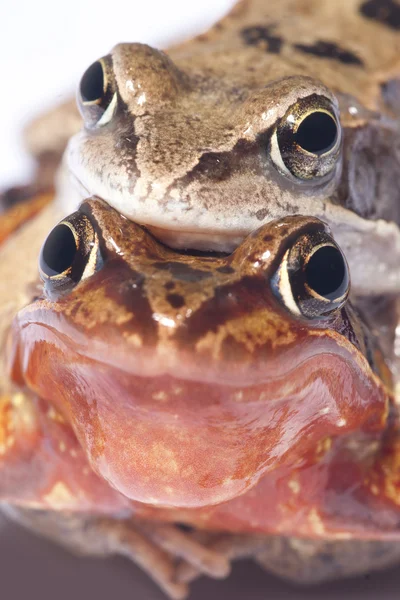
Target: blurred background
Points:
(45, 46)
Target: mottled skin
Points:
(189, 146)
(167, 387)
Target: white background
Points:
(45, 46)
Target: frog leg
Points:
(103, 537)
(231, 546)
(306, 561)
(183, 545)
(155, 548)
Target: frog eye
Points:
(69, 254)
(313, 279)
(307, 141)
(97, 97)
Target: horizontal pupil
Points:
(92, 83)
(317, 133)
(58, 252)
(326, 273)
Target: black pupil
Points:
(317, 133)
(58, 252)
(92, 83)
(326, 273)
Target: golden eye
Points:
(307, 140)
(97, 97)
(69, 254)
(313, 279)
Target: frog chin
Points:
(171, 222)
(204, 240)
(185, 436)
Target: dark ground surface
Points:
(32, 569)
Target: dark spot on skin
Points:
(386, 12)
(176, 300)
(126, 288)
(132, 294)
(169, 285)
(263, 37)
(226, 269)
(283, 231)
(215, 166)
(182, 271)
(331, 51)
(229, 302)
(218, 166)
(262, 213)
(268, 238)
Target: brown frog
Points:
(283, 107)
(240, 396)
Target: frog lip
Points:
(37, 322)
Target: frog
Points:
(280, 108)
(187, 409)
(178, 154)
(277, 110)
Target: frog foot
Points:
(231, 546)
(156, 547)
(160, 548)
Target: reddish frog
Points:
(240, 395)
